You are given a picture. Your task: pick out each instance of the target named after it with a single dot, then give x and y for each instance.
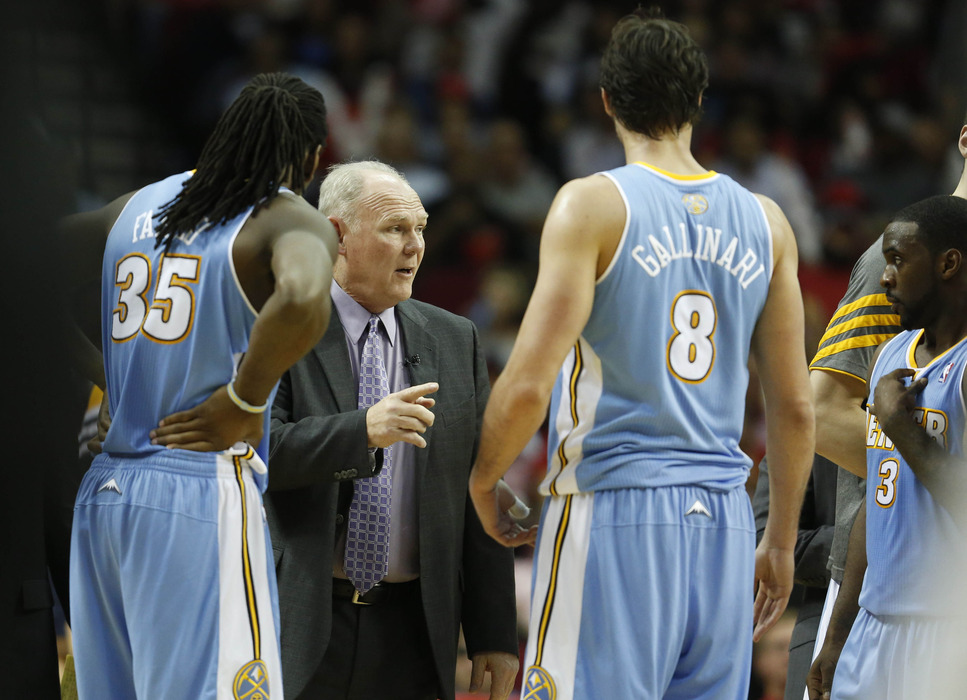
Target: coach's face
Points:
(381, 251)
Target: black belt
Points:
(380, 593)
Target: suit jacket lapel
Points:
(333, 356)
(417, 341)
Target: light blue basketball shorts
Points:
(902, 657)
(642, 593)
(172, 592)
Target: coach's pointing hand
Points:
(401, 417)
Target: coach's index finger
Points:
(414, 393)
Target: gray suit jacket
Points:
(319, 444)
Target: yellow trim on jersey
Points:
(573, 395)
(552, 584)
(867, 321)
(913, 350)
(869, 300)
(838, 371)
(676, 176)
(863, 341)
(253, 612)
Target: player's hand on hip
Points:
(403, 416)
(497, 507)
(503, 672)
(212, 426)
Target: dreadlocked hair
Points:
(260, 141)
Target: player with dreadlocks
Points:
(213, 283)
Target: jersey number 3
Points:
(168, 316)
(886, 490)
(691, 349)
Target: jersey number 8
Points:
(691, 350)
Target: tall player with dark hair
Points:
(657, 281)
(213, 283)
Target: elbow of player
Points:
(301, 304)
(528, 393)
(794, 417)
(300, 290)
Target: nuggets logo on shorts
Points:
(695, 203)
(538, 685)
(251, 682)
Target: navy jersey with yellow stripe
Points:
(653, 393)
(174, 323)
(862, 321)
(916, 554)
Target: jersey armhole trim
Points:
(624, 232)
(231, 263)
(770, 242)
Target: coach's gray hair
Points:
(341, 189)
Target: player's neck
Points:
(671, 153)
(946, 332)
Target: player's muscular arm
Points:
(586, 217)
(779, 349)
(296, 314)
(840, 418)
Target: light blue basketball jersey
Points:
(653, 393)
(916, 555)
(174, 324)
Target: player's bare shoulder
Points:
(594, 199)
(258, 241)
(783, 238)
(285, 213)
(589, 211)
(289, 212)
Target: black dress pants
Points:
(379, 651)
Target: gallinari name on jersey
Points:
(930, 419)
(668, 247)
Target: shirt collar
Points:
(355, 319)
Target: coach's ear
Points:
(341, 231)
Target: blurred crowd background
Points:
(840, 110)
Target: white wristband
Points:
(242, 403)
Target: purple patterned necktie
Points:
(367, 538)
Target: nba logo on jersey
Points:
(252, 682)
(946, 371)
(538, 685)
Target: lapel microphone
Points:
(411, 360)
